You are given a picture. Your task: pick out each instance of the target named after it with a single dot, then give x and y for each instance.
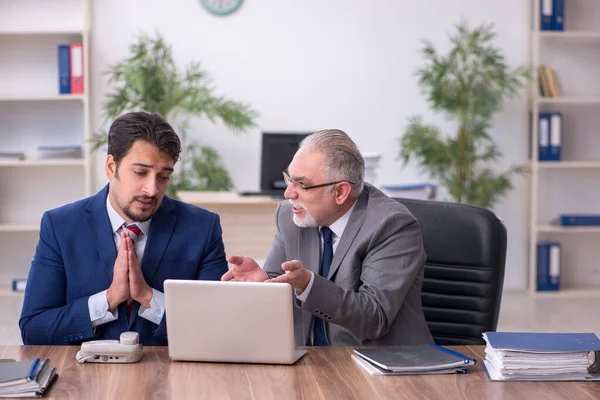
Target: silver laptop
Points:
(240, 322)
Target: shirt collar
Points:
(339, 226)
(116, 221)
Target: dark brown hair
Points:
(134, 126)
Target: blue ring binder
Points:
(454, 353)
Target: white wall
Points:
(313, 64)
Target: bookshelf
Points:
(571, 185)
(569, 35)
(568, 100)
(41, 97)
(33, 114)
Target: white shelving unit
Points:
(568, 100)
(571, 185)
(42, 97)
(569, 35)
(33, 114)
(569, 165)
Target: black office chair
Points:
(464, 271)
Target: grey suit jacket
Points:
(372, 295)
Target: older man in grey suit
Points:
(354, 256)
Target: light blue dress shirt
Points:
(98, 304)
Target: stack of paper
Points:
(55, 152)
(30, 378)
(420, 191)
(12, 155)
(541, 356)
(412, 360)
(371, 166)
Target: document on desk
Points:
(29, 378)
(373, 369)
(420, 359)
(530, 356)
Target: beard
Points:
(308, 221)
(140, 217)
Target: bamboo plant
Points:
(469, 84)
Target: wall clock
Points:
(221, 7)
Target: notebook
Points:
(519, 356)
(427, 358)
(29, 378)
(373, 369)
(240, 322)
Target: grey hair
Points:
(343, 161)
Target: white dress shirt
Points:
(98, 304)
(337, 228)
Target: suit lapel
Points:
(354, 223)
(99, 227)
(309, 248)
(161, 229)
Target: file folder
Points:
(18, 285)
(555, 136)
(533, 356)
(77, 68)
(544, 137)
(543, 266)
(426, 358)
(548, 266)
(64, 66)
(555, 267)
(559, 15)
(547, 15)
(580, 219)
(543, 341)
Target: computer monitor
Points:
(278, 150)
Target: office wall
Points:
(313, 64)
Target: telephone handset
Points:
(125, 350)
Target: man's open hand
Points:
(295, 274)
(244, 269)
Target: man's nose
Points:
(150, 187)
(290, 192)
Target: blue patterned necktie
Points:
(319, 338)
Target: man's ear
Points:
(110, 167)
(342, 192)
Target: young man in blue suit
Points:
(100, 263)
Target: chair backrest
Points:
(464, 271)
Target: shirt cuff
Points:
(302, 297)
(157, 308)
(98, 307)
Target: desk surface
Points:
(324, 373)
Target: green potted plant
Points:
(469, 85)
(149, 80)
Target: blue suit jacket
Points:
(75, 256)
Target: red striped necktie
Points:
(134, 232)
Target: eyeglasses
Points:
(289, 181)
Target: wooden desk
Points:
(248, 222)
(324, 373)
